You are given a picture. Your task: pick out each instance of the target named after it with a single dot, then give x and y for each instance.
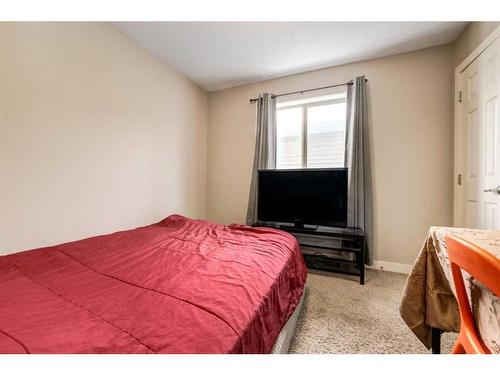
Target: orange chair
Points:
(485, 268)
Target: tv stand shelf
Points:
(324, 248)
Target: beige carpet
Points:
(341, 316)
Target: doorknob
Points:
(495, 190)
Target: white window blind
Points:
(289, 138)
(311, 132)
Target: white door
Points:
(479, 124)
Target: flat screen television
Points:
(303, 196)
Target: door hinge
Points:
(460, 96)
(459, 180)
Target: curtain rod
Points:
(253, 100)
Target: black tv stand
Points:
(324, 247)
(299, 228)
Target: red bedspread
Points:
(178, 286)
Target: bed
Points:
(177, 286)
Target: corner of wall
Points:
(471, 37)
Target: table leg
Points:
(436, 340)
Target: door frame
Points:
(458, 161)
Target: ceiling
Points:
(218, 55)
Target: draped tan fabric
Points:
(429, 300)
(265, 149)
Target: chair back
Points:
(482, 266)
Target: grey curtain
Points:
(357, 159)
(265, 148)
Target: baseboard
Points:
(390, 266)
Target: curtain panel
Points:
(265, 148)
(357, 159)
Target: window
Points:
(311, 132)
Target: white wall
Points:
(410, 105)
(472, 37)
(96, 135)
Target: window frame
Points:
(305, 107)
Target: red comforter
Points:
(178, 286)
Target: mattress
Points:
(284, 339)
(177, 286)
